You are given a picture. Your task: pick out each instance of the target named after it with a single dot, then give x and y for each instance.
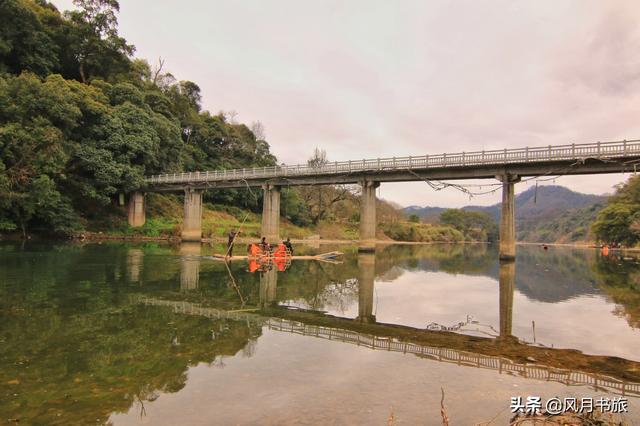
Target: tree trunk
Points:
(82, 76)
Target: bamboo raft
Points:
(331, 256)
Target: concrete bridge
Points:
(506, 165)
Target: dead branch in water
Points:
(391, 421)
(443, 411)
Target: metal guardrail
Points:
(599, 150)
(469, 359)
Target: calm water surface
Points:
(157, 334)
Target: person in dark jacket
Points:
(232, 239)
(288, 245)
(264, 245)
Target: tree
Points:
(619, 220)
(321, 200)
(474, 225)
(257, 128)
(95, 43)
(25, 45)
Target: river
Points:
(129, 334)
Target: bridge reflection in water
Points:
(500, 364)
(346, 330)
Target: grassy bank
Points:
(421, 232)
(164, 220)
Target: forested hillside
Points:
(619, 221)
(82, 120)
(548, 213)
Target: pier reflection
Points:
(190, 267)
(507, 281)
(268, 287)
(135, 257)
(366, 278)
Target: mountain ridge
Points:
(543, 213)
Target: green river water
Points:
(129, 334)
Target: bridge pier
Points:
(366, 278)
(368, 216)
(192, 223)
(507, 279)
(507, 217)
(190, 265)
(271, 213)
(136, 215)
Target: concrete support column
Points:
(268, 287)
(271, 213)
(368, 215)
(366, 278)
(507, 218)
(136, 209)
(190, 265)
(192, 223)
(507, 278)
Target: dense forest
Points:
(82, 120)
(619, 221)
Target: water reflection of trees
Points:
(74, 350)
(549, 276)
(619, 278)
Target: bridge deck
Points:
(591, 158)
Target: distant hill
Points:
(551, 213)
(427, 214)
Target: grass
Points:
(164, 219)
(421, 232)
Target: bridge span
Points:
(506, 165)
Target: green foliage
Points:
(566, 227)
(619, 221)
(422, 232)
(478, 226)
(414, 218)
(80, 121)
(25, 43)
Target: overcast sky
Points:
(381, 78)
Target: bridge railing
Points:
(550, 153)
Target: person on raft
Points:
(288, 245)
(232, 238)
(264, 245)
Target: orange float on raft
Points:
(281, 251)
(255, 250)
